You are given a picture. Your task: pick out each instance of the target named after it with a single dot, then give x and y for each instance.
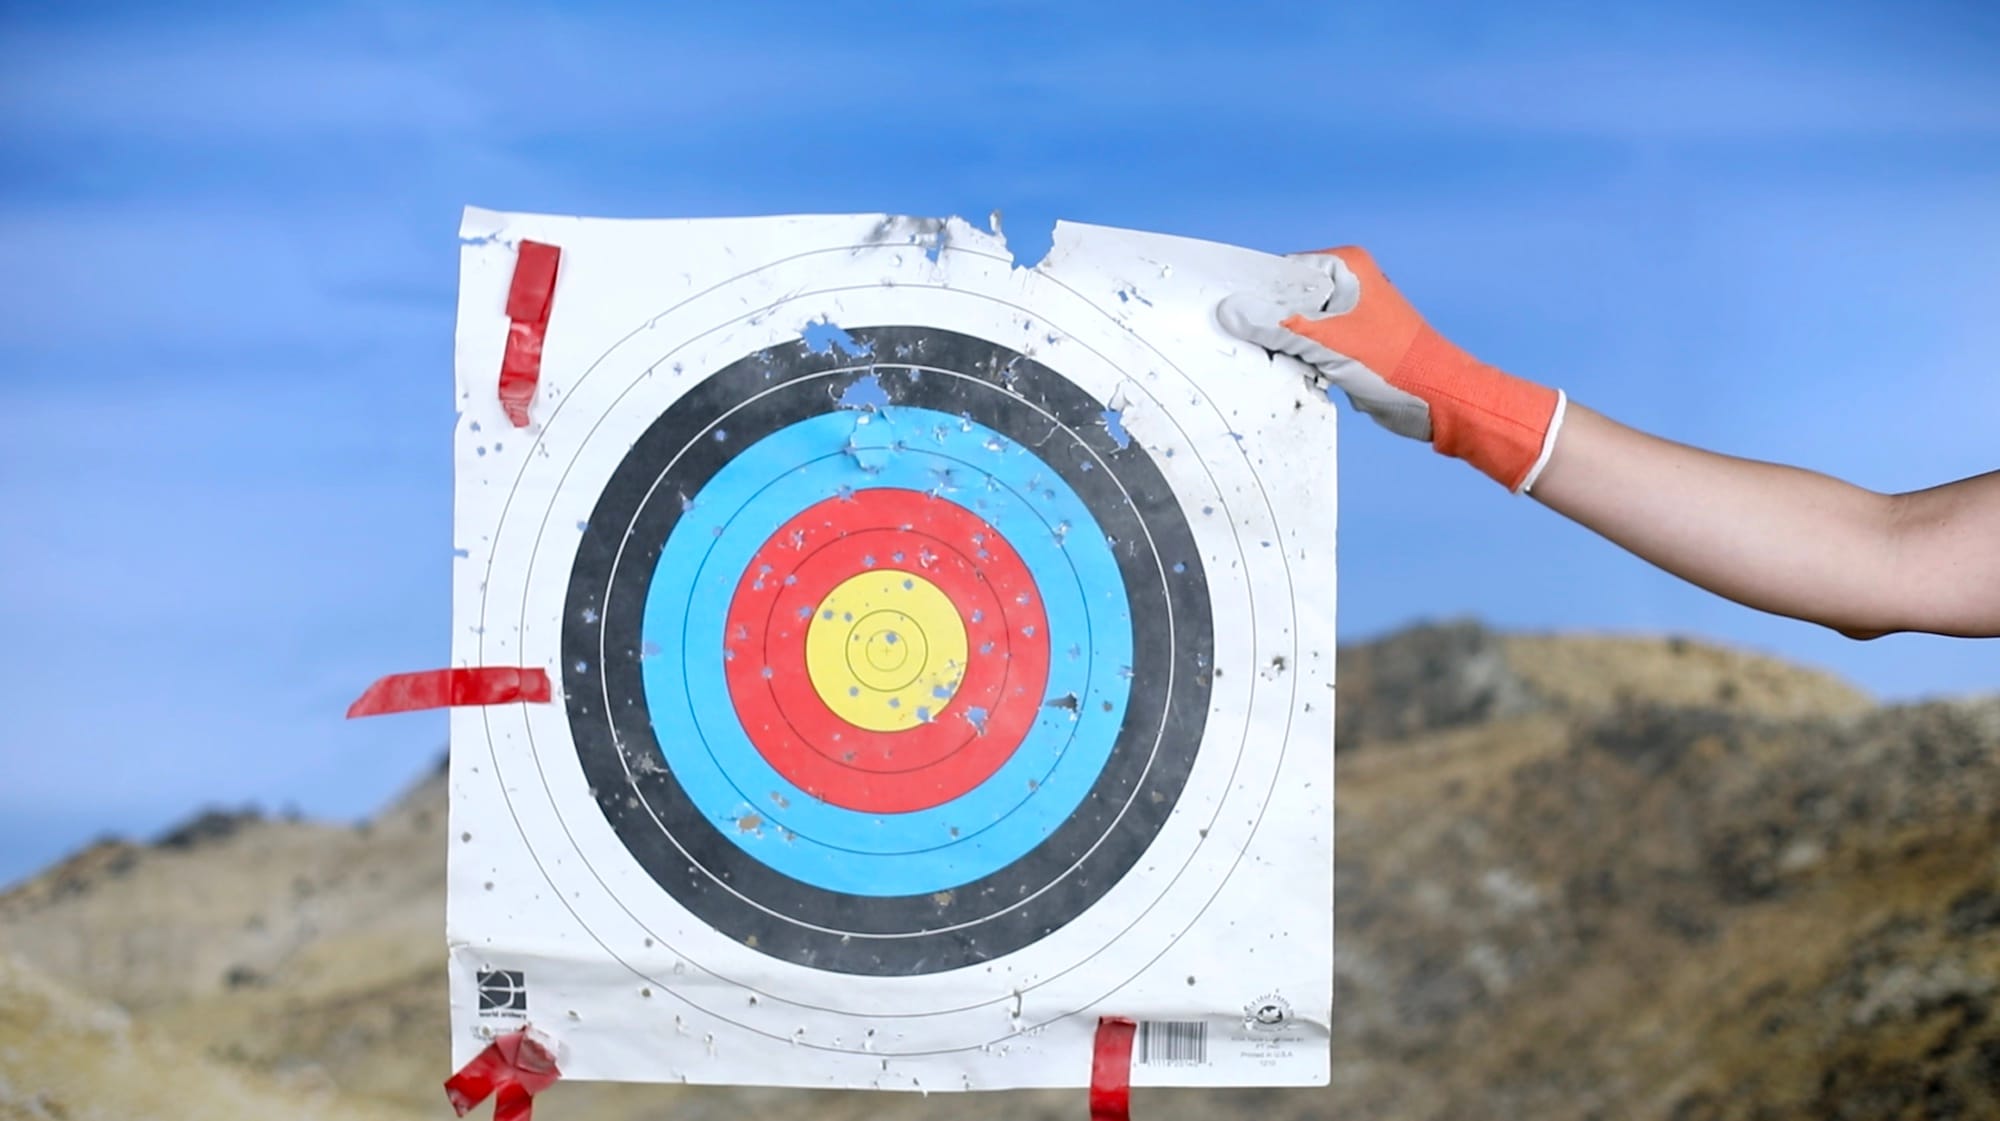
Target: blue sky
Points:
(229, 244)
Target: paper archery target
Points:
(925, 687)
(887, 666)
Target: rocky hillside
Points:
(69, 1057)
(1604, 878)
(1578, 878)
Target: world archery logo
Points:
(503, 992)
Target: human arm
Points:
(1785, 540)
(1774, 538)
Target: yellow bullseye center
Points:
(886, 649)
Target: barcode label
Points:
(1173, 1042)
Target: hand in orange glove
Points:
(1372, 345)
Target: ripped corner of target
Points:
(529, 299)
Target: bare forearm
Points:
(1785, 540)
(1774, 538)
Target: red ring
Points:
(865, 749)
(780, 743)
(914, 759)
(857, 768)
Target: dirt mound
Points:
(1666, 911)
(212, 910)
(1594, 672)
(1440, 676)
(67, 1057)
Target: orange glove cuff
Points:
(1491, 419)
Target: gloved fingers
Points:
(1325, 260)
(1396, 411)
(1280, 328)
(1262, 322)
(1399, 412)
(1257, 320)
(1339, 268)
(1403, 413)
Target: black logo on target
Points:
(503, 991)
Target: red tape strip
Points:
(512, 1070)
(452, 688)
(528, 300)
(1111, 1070)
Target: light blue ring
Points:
(1032, 793)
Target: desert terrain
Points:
(1578, 878)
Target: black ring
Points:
(1173, 640)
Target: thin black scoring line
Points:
(916, 628)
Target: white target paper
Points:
(943, 659)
